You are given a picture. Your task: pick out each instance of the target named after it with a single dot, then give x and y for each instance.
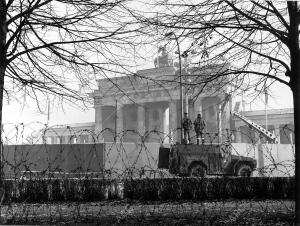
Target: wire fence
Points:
(49, 174)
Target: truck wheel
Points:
(197, 171)
(244, 170)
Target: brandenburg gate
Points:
(146, 105)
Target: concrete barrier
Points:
(134, 157)
(275, 160)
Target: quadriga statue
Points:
(162, 59)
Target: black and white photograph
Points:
(160, 112)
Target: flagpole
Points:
(266, 103)
(48, 113)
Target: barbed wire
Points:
(80, 167)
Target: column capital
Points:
(276, 125)
(142, 104)
(98, 105)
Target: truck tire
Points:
(244, 170)
(197, 170)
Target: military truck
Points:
(203, 160)
(211, 159)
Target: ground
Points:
(128, 212)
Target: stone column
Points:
(186, 105)
(98, 123)
(141, 119)
(173, 127)
(238, 135)
(277, 132)
(166, 126)
(119, 121)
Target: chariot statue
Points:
(162, 58)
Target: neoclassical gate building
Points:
(148, 105)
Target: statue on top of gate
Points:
(162, 59)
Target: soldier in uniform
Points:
(199, 126)
(187, 125)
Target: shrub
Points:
(44, 190)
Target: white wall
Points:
(121, 156)
(278, 159)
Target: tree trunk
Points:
(296, 95)
(2, 73)
(3, 32)
(295, 86)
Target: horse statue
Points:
(162, 59)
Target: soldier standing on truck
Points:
(187, 125)
(199, 125)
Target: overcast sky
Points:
(280, 97)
